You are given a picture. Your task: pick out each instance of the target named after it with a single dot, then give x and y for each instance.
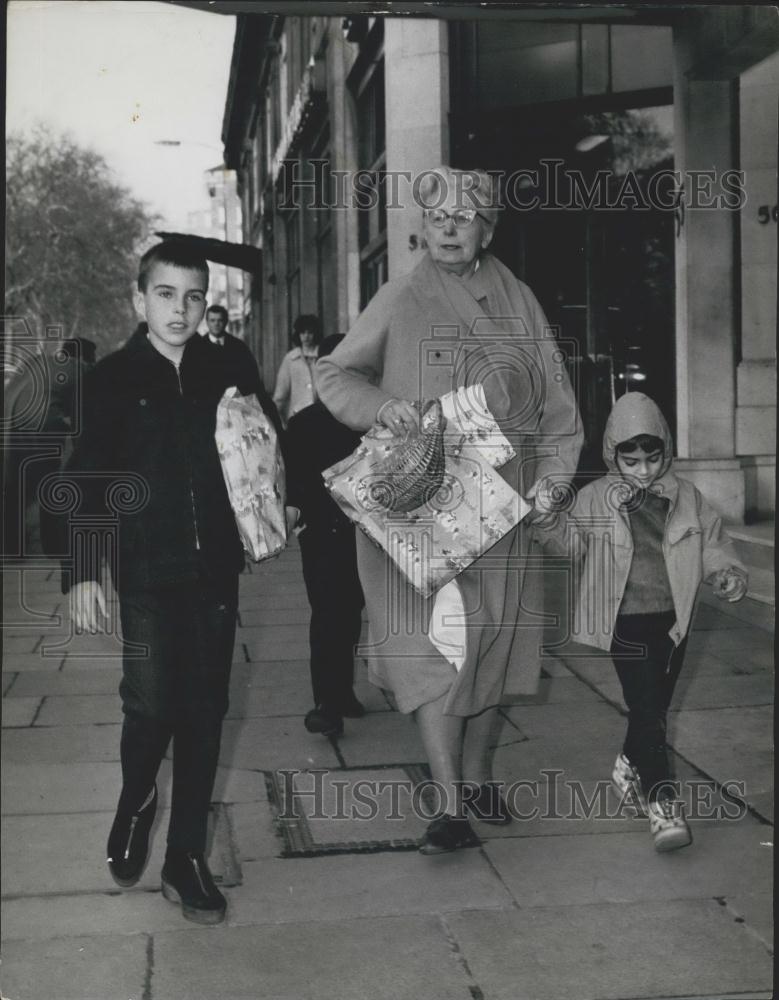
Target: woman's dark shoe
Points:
(352, 708)
(128, 842)
(447, 833)
(489, 806)
(187, 880)
(325, 721)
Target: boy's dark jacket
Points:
(151, 428)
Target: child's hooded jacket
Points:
(597, 531)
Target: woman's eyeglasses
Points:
(461, 217)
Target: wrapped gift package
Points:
(253, 470)
(471, 509)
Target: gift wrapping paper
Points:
(474, 508)
(253, 471)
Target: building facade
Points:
(221, 218)
(637, 155)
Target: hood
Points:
(634, 413)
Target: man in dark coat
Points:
(315, 441)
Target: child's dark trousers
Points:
(176, 673)
(648, 665)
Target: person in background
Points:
(315, 441)
(295, 386)
(238, 363)
(644, 542)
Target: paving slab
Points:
(23, 662)
(91, 680)
(52, 745)
(9, 678)
(254, 830)
(76, 968)
(97, 914)
(743, 639)
(252, 617)
(381, 738)
(552, 690)
(19, 711)
(368, 885)
(707, 617)
(612, 952)
(708, 691)
(722, 861)
(271, 743)
(744, 728)
(26, 643)
(590, 721)
(748, 611)
(29, 789)
(756, 910)
(80, 709)
(32, 868)
(381, 958)
(273, 649)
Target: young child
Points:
(149, 414)
(644, 541)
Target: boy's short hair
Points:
(647, 443)
(174, 252)
(218, 309)
(308, 321)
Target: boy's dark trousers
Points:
(336, 599)
(648, 665)
(175, 680)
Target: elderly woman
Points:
(295, 386)
(460, 317)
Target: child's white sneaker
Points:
(667, 825)
(627, 784)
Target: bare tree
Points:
(71, 240)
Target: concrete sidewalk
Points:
(558, 906)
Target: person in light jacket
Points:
(295, 387)
(642, 541)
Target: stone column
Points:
(756, 374)
(416, 59)
(706, 292)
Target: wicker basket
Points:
(413, 473)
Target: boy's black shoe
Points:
(128, 842)
(324, 720)
(187, 880)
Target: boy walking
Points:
(644, 541)
(150, 412)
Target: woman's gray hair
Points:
(473, 189)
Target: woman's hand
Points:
(400, 416)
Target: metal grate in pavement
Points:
(320, 812)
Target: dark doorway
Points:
(580, 227)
